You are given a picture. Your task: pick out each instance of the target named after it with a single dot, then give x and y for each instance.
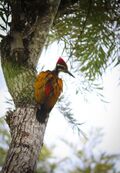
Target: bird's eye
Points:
(61, 67)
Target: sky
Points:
(90, 110)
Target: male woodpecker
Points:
(48, 87)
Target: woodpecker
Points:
(48, 87)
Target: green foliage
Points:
(65, 109)
(90, 159)
(44, 164)
(90, 32)
(86, 158)
(45, 154)
(103, 165)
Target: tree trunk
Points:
(19, 56)
(27, 139)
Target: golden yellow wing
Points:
(47, 87)
(39, 86)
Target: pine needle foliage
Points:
(90, 32)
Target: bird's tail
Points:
(41, 114)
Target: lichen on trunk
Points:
(20, 81)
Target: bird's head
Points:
(61, 66)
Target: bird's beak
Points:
(70, 74)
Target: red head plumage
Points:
(62, 66)
(61, 62)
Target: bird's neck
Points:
(56, 71)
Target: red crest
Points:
(61, 62)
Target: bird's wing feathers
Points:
(39, 86)
(46, 86)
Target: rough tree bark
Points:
(27, 139)
(31, 22)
